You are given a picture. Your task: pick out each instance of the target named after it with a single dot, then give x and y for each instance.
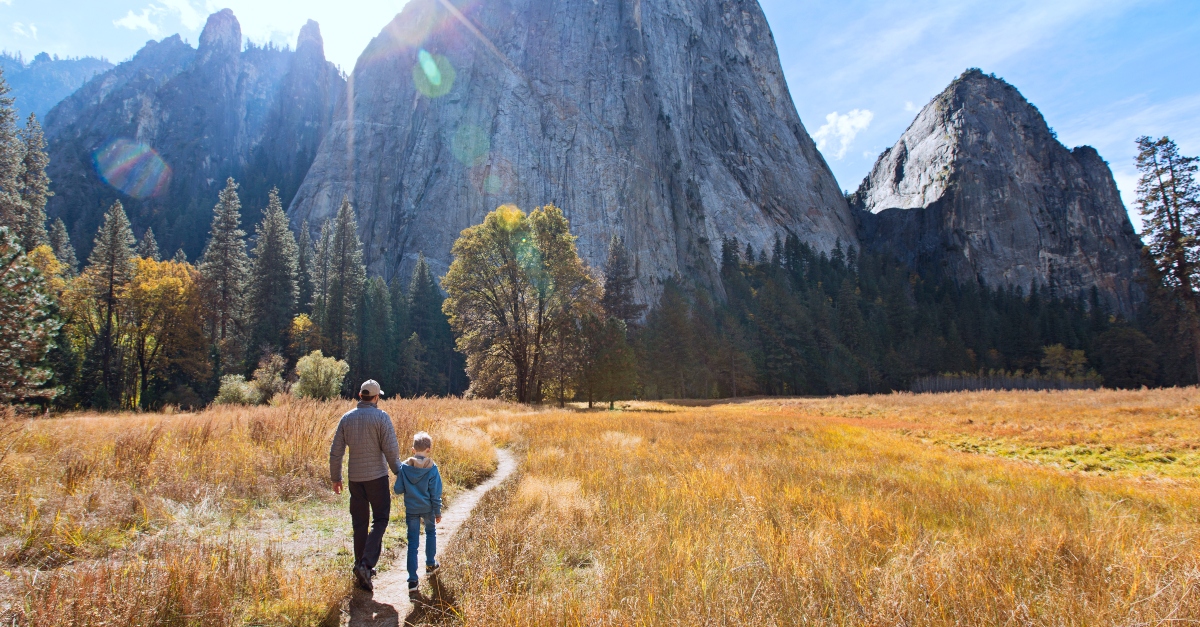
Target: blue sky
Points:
(1101, 71)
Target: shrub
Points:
(236, 391)
(321, 377)
(268, 378)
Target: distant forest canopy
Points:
(520, 315)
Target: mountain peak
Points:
(310, 38)
(979, 187)
(221, 32)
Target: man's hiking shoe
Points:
(432, 568)
(412, 589)
(363, 575)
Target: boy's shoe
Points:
(432, 568)
(363, 575)
(412, 589)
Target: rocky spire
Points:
(980, 187)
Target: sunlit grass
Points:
(217, 518)
(839, 511)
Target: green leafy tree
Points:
(60, 243)
(148, 247)
(27, 326)
(516, 280)
(320, 377)
(35, 185)
(225, 267)
(274, 288)
(1169, 202)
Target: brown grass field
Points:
(1023, 508)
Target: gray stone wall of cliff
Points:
(980, 188)
(187, 118)
(664, 121)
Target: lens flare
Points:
(433, 74)
(133, 168)
(430, 68)
(470, 145)
(496, 178)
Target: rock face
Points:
(162, 131)
(980, 188)
(666, 122)
(45, 81)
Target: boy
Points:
(421, 484)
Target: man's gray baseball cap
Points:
(370, 387)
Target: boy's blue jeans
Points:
(414, 536)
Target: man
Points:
(368, 432)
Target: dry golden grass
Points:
(217, 518)
(851, 511)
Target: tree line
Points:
(536, 325)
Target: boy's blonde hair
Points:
(422, 441)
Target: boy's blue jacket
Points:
(421, 484)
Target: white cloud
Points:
(910, 107)
(842, 128)
(151, 18)
(23, 30)
(134, 21)
(189, 16)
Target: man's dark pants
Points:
(370, 501)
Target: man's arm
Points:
(389, 445)
(337, 450)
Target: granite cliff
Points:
(162, 131)
(666, 122)
(44, 81)
(980, 188)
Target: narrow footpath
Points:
(389, 604)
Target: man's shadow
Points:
(441, 605)
(365, 611)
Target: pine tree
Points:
(305, 258)
(442, 366)
(110, 267)
(225, 266)
(346, 277)
(322, 255)
(35, 185)
(27, 326)
(405, 366)
(60, 243)
(273, 285)
(619, 281)
(180, 256)
(12, 163)
(377, 349)
(1169, 201)
(148, 247)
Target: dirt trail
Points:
(389, 604)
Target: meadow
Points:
(219, 518)
(1021, 508)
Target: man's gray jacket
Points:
(368, 431)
